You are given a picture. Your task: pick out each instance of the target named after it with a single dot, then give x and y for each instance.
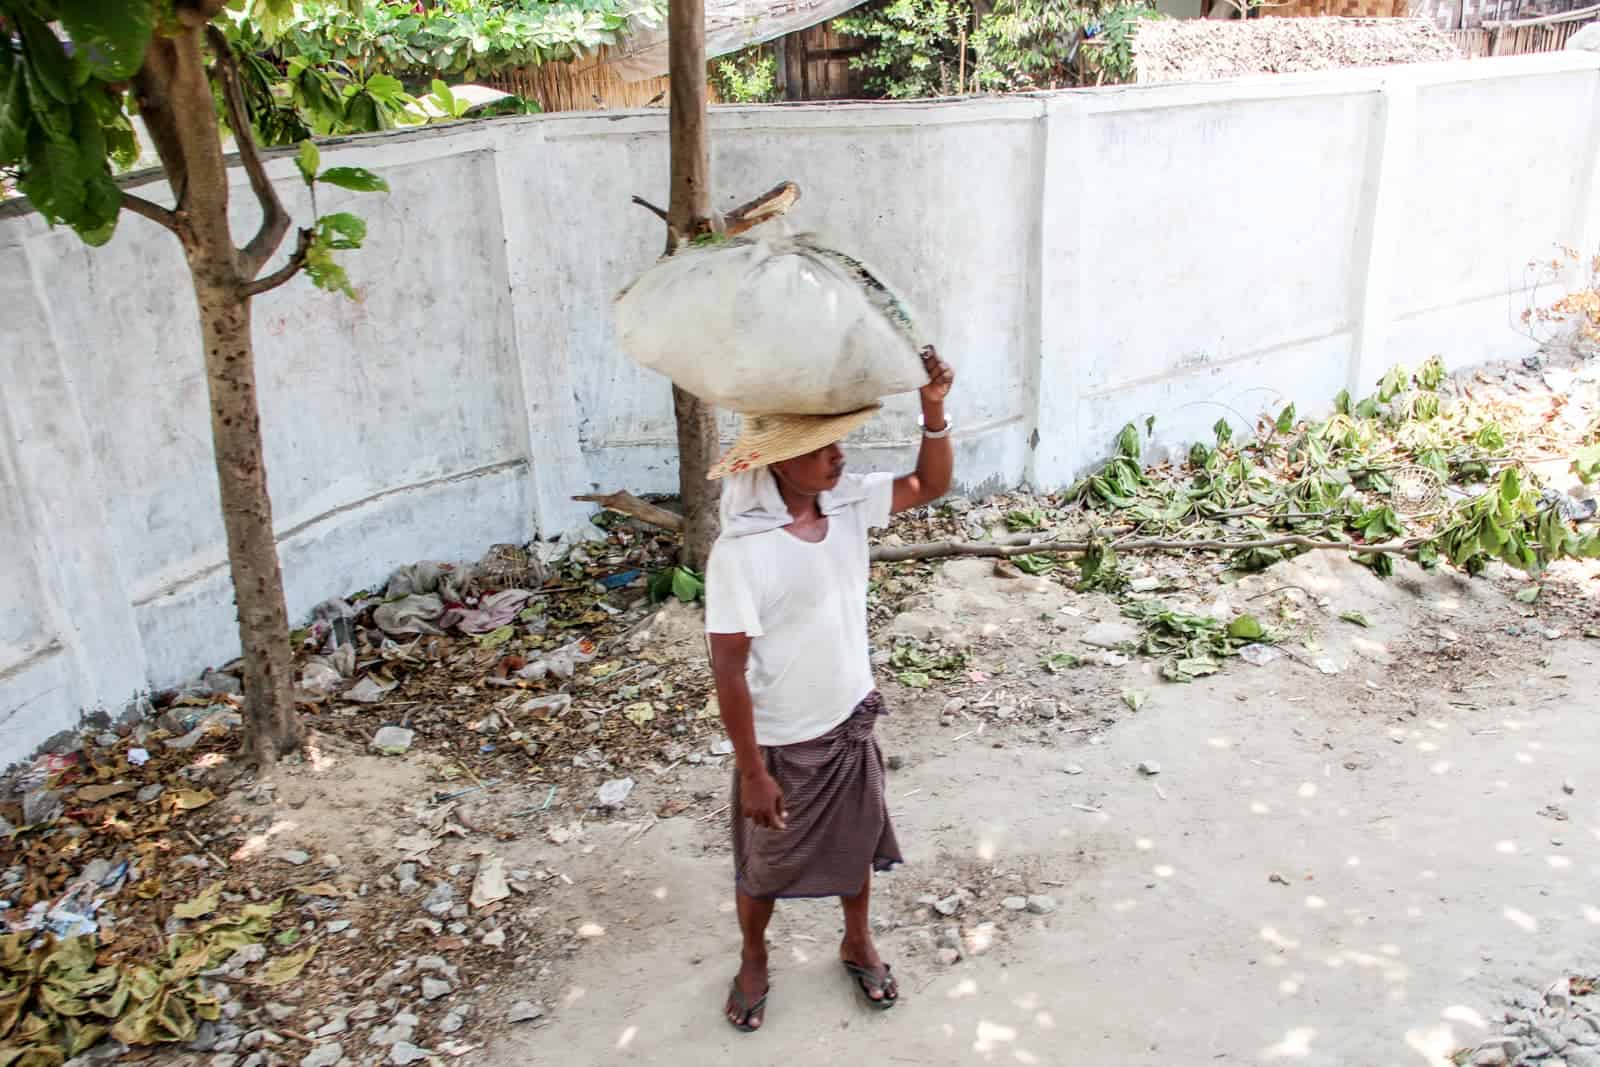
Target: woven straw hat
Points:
(768, 439)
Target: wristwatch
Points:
(934, 435)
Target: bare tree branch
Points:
(154, 101)
(769, 205)
(625, 503)
(659, 213)
(274, 219)
(297, 260)
(154, 212)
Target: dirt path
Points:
(1403, 804)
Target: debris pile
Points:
(1561, 1025)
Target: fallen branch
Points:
(625, 503)
(998, 550)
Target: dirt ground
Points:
(1348, 868)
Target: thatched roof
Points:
(1170, 50)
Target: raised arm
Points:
(935, 457)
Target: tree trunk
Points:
(688, 217)
(271, 726)
(698, 443)
(175, 99)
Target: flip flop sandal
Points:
(867, 981)
(736, 996)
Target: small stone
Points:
(323, 1056)
(453, 1022)
(950, 937)
(435, 989)
(244, 957)
(1149, 767)
(393, 740)
(1109, 635)
(405, 1052)
(280, 1011)
(440, 900)
(1493, 1056)
(224, 1059)
(1040, 904)
(1569, 787)
(406, 875)
(1072, 768)
(896, 762)
(332, 862)
(949, 957)
(338, 926)
(294, 857)
(948, 906)
(524, 1011)
(614, 794)
(495, 939)
(1046, 709)
(337, 1026)
(150, 792)
(1015, 903)
(723, 747)
(366, 1011)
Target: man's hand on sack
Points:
(940, 378)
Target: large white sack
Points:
(771, 326)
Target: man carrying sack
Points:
(786, 615)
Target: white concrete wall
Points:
(1086, 259)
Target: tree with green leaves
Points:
(71, 71)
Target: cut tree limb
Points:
(769, 205)
(999, 550)
(625, 503)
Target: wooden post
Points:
(689, 217)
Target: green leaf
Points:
(309, 160)
(357, 178)
(110, 35)
(204, 904)
(44, 57)
(1223, 431)
(686, 585)
(1128, 442)
(1200, 456)
(1056, 662)
(1286, 419)
(1246, 628)
(1355, 618)
(915, 680)
(341, 230)
(1586, 463)
(1529, 594)
(54, 181)
(1341, 402)
(1134, 698)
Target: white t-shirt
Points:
(804, 608)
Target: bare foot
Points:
(751, 984)
(864, 954)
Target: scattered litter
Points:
(1149, 767)
(614, 794)
(490, 883)
(393, 740)
(138, 757)
(1259, 655)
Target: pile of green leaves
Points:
(918, 668)
(57, 1001)
(1192, 646)
(1333, 480)
(62, 117)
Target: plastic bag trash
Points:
(371, 689)
(614, 794)
(562, 663)
(138, 757)
(551, 705)
(319, 676)
(1259, 655)
(771, 326)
